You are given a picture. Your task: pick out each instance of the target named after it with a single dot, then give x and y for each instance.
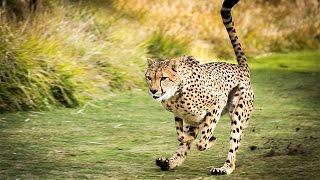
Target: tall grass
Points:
(263, 26)
(164, 46)
(65, 56)
(69, 52)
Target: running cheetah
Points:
(198, 94)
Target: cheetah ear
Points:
(150, 61)
(173, 65)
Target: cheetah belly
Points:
(191, 118)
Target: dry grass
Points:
(69, 52)
(263, 26)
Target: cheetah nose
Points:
(153, 91)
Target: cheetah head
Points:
(162, 78)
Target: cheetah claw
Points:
(221, 171)
(163, 164)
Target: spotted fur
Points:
(199, 94)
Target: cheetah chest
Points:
(192, 116)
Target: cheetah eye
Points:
(149, 78)
(163, 78)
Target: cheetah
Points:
(199, 94)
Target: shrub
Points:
(27, 82)
(164, 46)
(66, 56)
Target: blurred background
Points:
(74, 103)
(63, 53)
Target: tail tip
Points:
(229, 3)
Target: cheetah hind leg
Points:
(235, 138)
(239, 117)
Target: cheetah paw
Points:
(163, 164)
(221, 171)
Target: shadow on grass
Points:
(19, 157)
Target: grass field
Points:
(121, 136)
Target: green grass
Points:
(121, 136)
(163, 46)
(69, 52)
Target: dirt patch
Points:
(252, 148)
(291, 147)
(295, 149)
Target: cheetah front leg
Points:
(180, 155)
(210, 121)
(183, 133)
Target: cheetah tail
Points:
(228, 23)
